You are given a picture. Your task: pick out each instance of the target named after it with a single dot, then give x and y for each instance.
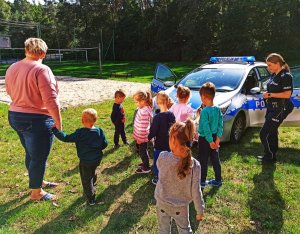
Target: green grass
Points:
(253, 199)
(141, 71)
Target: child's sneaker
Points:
(117, 146)
(154, 180)
(140, 165)
(203, 185)
(126, 143)
(92, 202)
(143, 170)
(214, 183)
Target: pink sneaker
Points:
(143, 170)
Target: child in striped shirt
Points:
(141, 127)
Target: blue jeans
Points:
(35, 134)
(156, 153)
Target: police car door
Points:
(163, 78)
(293, 118)
(255, 101)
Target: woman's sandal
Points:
(50, 185)
(46, 197)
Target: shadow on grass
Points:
(128, 214)
(245, 148)
(70, 221)
(119, 167)
(266, 203)
(71, 172)
(7, 211)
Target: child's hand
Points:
(199, 217)
(213, 145)
(218, 142)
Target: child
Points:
(160, 129)
(181, 110)
(141, 127)
(118, 118)
(210, 131)
(196, 121)
(90, 141)
(178, 183)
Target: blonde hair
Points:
(143, 96)
(183, 134)
(277, 58)
(35, 46)
(120, 93)
(90, 115)
(183, 92)
(164, 98)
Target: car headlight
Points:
(224, 107)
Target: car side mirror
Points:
(255, 90)
(168, 83)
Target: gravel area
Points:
(81, 91)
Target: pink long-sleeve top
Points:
(141, 126)
(182, 111)
(32, 88)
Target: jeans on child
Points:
(143, 152)
(204, 153)
(156, 153)
(165, 214)
(88, 178)
(35, 134)
(119, 130)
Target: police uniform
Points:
(277, 110)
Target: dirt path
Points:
(80, 91)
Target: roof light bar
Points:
(247, 59)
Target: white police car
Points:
(240, 82)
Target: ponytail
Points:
(164, 98)
(149, 99)
(184, 132)
(146, 96)
(277, 58)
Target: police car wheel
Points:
(238, 128)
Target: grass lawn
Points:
(253, 199)
(141, 71)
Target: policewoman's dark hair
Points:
(183, 133)
(277, 58)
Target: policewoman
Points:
(279, 105)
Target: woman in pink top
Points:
(33, 112)
(141, 127)
(181, 110)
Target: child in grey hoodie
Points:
(178, 184)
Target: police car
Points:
(239, 81)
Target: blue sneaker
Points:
(203, 185)
(214, 183)
(154, 180)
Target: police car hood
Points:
(195, 100)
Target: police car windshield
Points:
(225, 79)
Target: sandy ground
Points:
(79, 91)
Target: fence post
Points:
(100, 65)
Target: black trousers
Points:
(269, 131)
(119, 130)
(143, 152)
(88, 179)
(205, 152)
